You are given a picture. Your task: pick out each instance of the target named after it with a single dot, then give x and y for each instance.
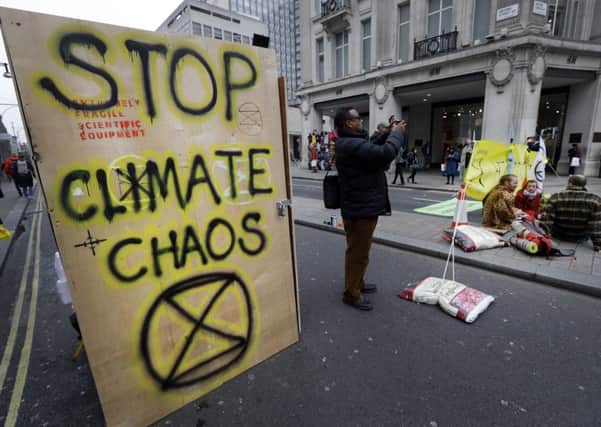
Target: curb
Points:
(12, 225)
(414, 186)
(578, 284)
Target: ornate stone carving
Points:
(537, 65)
(305, 107)
(501, 70)
(381, 91)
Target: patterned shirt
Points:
(574, 214)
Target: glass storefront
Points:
(454, 125)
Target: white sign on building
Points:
(540, 8)
(508, 12)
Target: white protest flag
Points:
(537, 170)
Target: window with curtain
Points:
(481, 19)
(440, 17)
(342, 52)
(320, 60)
(404, 40)
(366, 44)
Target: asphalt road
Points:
(402, 198)
(534, 358)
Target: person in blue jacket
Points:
(452, 161)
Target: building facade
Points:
(202, 19)
(458, 70)
(282, 20)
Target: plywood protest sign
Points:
(161, 161)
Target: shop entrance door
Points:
(551, 120)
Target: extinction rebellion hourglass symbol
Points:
(90, 243)
(216, 329)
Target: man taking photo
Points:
(363, 195)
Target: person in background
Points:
(498, 210)
(399, 164)
(363, 196)
(574, 214)
(23, 174)
(452, 161)
(413, 162)
(574, 158)
(9, 171)
(528, 199)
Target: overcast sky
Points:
(146, 15)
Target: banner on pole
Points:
(490, 161)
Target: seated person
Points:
(528, 199)
(498, 211)
(574, 214)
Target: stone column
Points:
(512, 98)
(583, 116)
(382, 104)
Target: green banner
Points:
(447, 208)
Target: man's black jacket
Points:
(361, 165)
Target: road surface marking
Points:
(15, 401)
(427, 200)
(14, 327)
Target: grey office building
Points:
(282, 20)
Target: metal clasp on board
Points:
(282, 205)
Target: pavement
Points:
(423, 234)
(12, 210)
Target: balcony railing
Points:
(443, 43)
(329, 7)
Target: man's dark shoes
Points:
(369, 288)
(360, 304)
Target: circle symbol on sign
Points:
(250, 120)
(212, 340)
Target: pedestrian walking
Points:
(363, 196)
(399, 164)
(452, 161)
(574, 158)
(23, 174)
(413, 162)
(9, 171)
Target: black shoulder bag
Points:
(331, 191)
